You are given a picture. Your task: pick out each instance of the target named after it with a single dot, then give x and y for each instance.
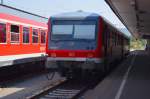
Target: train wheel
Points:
(61, 69)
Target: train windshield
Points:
(74, 31)
(73, 35)
(84, 32)
(62, 29)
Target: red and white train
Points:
(22, 40)
(21, 37)
(81, 42)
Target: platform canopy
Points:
(135, 14)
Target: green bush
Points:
(137, 44)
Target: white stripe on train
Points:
(20, 23)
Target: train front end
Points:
(74, 43)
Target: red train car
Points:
(81, 42)
(21, 37)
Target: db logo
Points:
(71, 54)
(53, 54)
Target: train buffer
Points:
(130, 80)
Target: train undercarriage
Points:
(74, 69)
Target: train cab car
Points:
(77, 43)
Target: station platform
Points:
(19, 59)
(130, 80)
(28, 86)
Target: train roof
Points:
(76, 15)
(115, 28)
(22, 21)
(21, 13)
(81, 15)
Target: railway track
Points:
(69, 89)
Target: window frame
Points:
(14, 32)
(33, 28)
(6, 31)
(22, 35)
(40, 36)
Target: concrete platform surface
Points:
(19, 59)
(130, 80)
(27, 87)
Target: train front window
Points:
(73, 30)
(84, 32)
(62, 29)
(73, 35)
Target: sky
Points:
(51, 7)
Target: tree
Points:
(137, 44)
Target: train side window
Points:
(108, 37)
(113, 39)
(119, 40)
(35, 36)
(26, 35)
(43, 37)
(14, 33)
(116, 39)
(2, 33)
